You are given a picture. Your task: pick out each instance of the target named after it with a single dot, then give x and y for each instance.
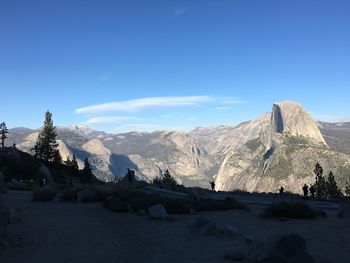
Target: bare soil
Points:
(71, 232)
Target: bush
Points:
(137, 200)
(45, 193)
(289, 210)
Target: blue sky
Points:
(147, 65)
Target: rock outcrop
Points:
(290, 117)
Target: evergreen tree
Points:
(333, 190)
(87, 171)
(3, 131)
(168, 179)
(320, 184)
(72, 163)
(46, 146)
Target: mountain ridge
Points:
(254, 151)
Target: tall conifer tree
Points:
(46, 146)
(3, 131)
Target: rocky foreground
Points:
(71, 232)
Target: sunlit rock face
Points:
(290, 117)
(277, 148)
(285, 155)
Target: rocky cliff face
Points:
(290, 117)
(286, 158)
(277, 148)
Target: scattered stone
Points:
(230, 230)
(249, 239)
(142, 212)
(204, 226)
(15, 185)
(86, 196)
(235, 255)
(58, 198)
(284, 248)
(157, 212)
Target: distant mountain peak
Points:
(290, 117)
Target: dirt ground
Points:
(71, 232)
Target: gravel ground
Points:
(71, 232)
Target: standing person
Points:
(212, 184)
(305, 190)
(281, 190)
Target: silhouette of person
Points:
(312, 190)
(281, 190)
(305, 190)
(212, 184)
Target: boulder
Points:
(58, 198)
(158, 212)
(230, 230)
(15, 185)
(86, 196)
(284, 248)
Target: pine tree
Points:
(87, 172)
(3, 131)
(168, 179)
(333, 190)
(72, 163)
(46, 146)
(320, 184)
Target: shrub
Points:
(289, 210)
(137, 200)
(45, 193)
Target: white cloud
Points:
(179, 11)
(109, 119)
(138, 104)
(223, 108)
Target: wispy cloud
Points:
(109, 119)
(223, 108)
(179, 11)
(138, 104)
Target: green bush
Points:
(289, 210)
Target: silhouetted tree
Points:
(46, 146)
(3, 131)
(347, 189)
(72, 163)
(320, 184)
(333, 190)
(168, 179)
(87, 171)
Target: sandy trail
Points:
(70, 232)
